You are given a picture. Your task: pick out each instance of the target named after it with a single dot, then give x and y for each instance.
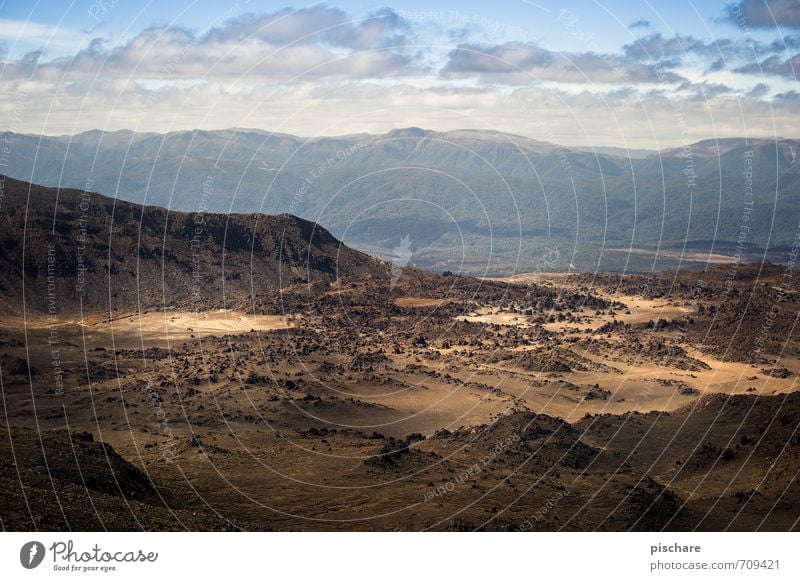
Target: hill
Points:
(72, 250)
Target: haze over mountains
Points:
(473, 201)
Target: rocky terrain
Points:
(258, 374)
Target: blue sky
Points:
(608, 21)
(689, 69)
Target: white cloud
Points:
(317, 42)
(524, 62)
(318, 71)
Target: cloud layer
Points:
(765, 13)
(319, 70)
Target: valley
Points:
(475, 202)
(312, 387)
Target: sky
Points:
(612, 73)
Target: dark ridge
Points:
(96, 253)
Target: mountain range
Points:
(479, 202)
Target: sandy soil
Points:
(641, 386)
(418, 302)
(707, 257)
(639, 310)
(495, 317)
(158, 328)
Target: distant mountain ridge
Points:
(480, 201)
